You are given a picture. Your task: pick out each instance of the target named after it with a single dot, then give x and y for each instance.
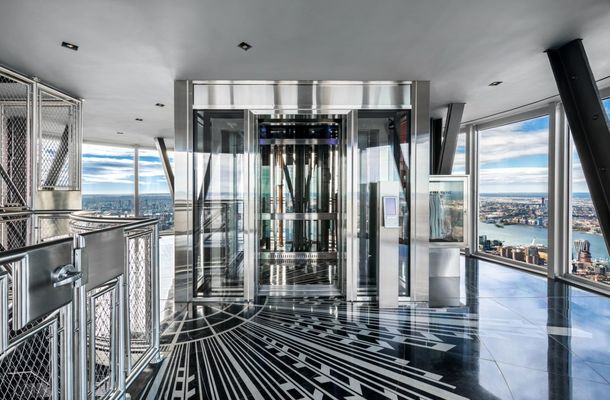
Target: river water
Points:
(525, 234)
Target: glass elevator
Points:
(277, 195)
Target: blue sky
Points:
(109, 170)
(514, 158)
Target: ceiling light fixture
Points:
(495, 83)
(70, 46)
(244, 46)
(139, 119)
(160, 105)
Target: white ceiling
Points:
(131, 51)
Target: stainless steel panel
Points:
(183, 204)
(301, 95)
(49, 200)
(444, 292)
(387, 245)
(103, 256)
(420, 171)
(34, 293)
(298, 216)
(444, 262)
(351, 183)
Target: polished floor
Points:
(516, 336)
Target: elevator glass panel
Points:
(383, 152)
(218, 231)
(299, 184)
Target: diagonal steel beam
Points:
(449, 139)
(436, 141)
(167, 167)
(588, 123)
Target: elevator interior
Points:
(299, 202)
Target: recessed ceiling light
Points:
(70, 46)
(244, 46)
(120, 133)
(139, 119)
(495, 83)
(160, 105)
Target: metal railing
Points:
(79, 310)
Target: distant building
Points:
(519, 255)
(582, 251)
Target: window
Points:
(589, 252)
(513, 191)
(459, 162)
(108, 179)
(155, 198)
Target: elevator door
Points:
(299, 205)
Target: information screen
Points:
(390, 212)
(390, 205)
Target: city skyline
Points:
(109, 170)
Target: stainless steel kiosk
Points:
(273, 181)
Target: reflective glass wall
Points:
(155, 199)
(459, 161)
(513, 191)
(383, 151)
(218, 211)
(590, 258)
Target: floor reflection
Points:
(516, 336)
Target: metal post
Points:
(3, 311)
(559, 192)
(136, 179)
(183, 191)
(156, 317)
(472, 170)
(588, 123)
(420, 172)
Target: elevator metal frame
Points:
(262, 98)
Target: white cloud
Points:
(519, 179)
(511, 142)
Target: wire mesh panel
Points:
(29, 369)
(102, 342)
(15, 115)
(58, 142)
(15, 232)
(140, 295)
(52, 226)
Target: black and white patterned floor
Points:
(517, 336)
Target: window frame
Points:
(135, 149)
(474, 147)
